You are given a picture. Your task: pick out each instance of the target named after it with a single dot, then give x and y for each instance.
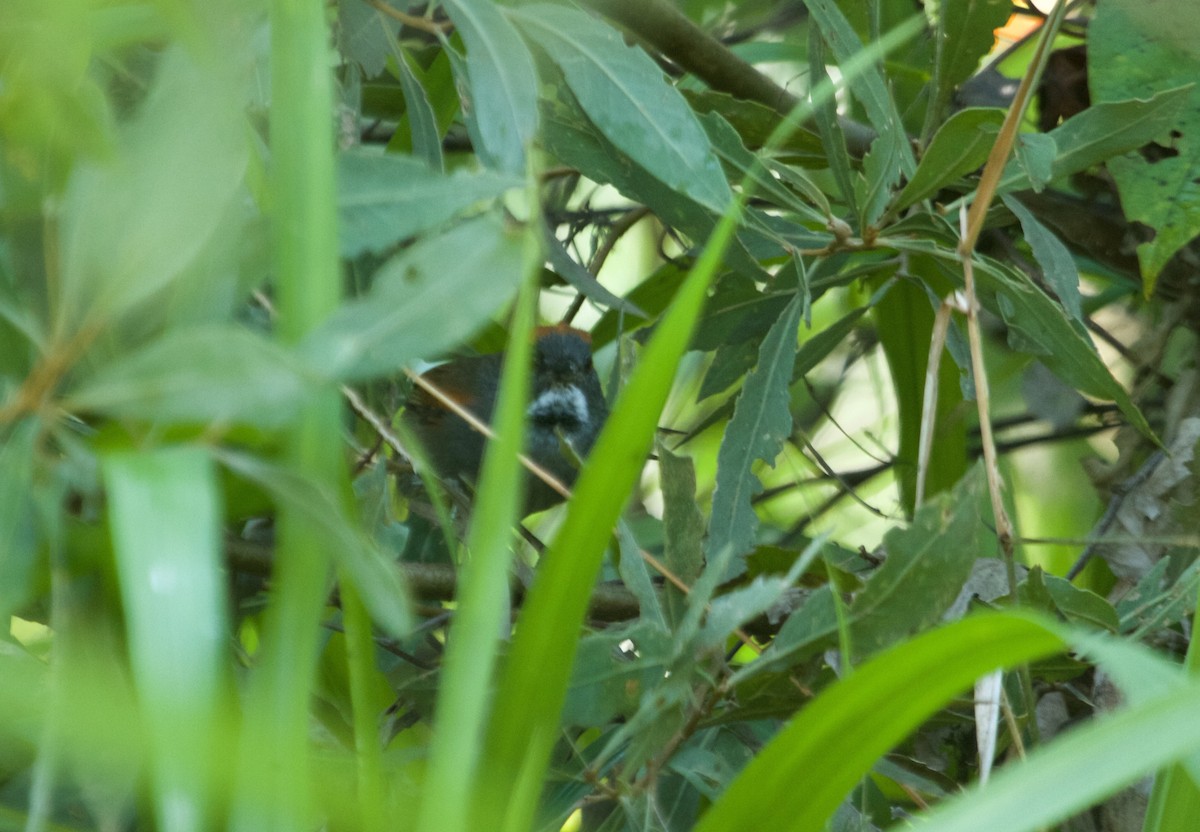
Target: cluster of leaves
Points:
(780, 677)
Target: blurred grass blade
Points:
(166, 517)
(481, 619)
(866, 715)
(275, 788)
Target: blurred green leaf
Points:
(132, 224)
(465, 273)
(960, 146)
(165, 513)
(760, 425)
(925, 568)
(419, 130)
(383, 199)
(365, 35)
(217, 373)
(503, 100)
(625, 95)
(375, 574)
(17, 531)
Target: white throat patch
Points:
(560, 404)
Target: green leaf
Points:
(374, 573)
(165, 512)
(503, 82)
(1035, 154)
(926, 567)
(133, 223)
(868, 83)
(1135, 48)
(1102, 131)
(625, 95)
(465, 273)
(216, 373)
(960, 146)
(17, 531)
(683, 527)
(384, 199)
(420, 125)
(967, 34)
(365, 35)
(865, 715)
(1058, 266)
(761, 423)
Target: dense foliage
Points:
(897, 318)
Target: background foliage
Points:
(780, 592)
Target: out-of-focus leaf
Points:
(1076, 604)
(17, 534)
(133, 223)
(1102, 131)
(365, 35)
(636, 577)
(375, 575)
(959, 146)
(216, 373)
(625, 95)
(1056, 261)
(761, 423)
(165, 512)
(683, 527)
(385, 198)
(502, 105)
(1135, 48)
(465, 273)
(927, 564)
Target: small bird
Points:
(566, 405)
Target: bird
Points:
(566, 406)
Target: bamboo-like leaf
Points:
(503, 100)
(625, 95)
(1058, 266)
(217, 373)
(959, 146)
(465, 274)
(384, 199)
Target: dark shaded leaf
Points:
(761, 423)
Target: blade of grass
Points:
(275, 789)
